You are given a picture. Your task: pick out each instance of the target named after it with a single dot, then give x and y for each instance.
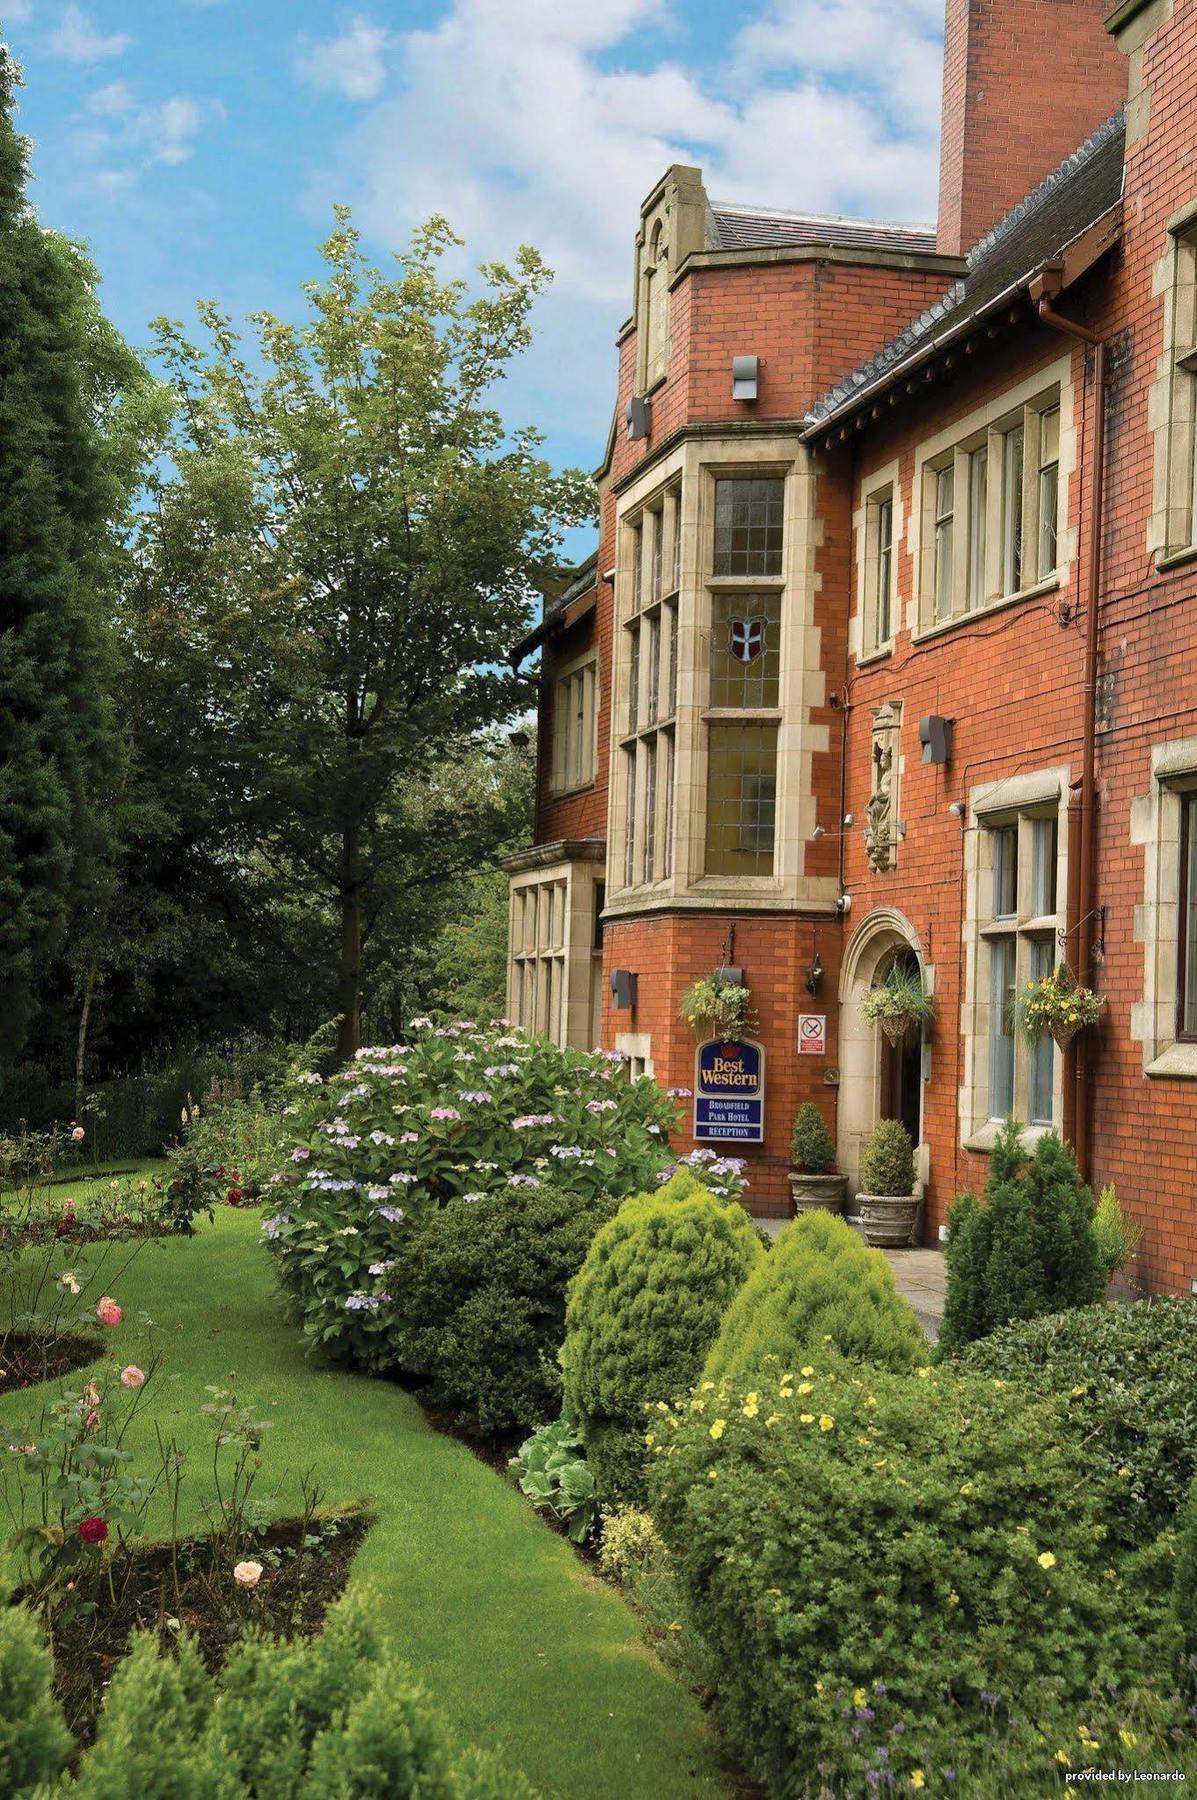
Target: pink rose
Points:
(108, 1312)
(78, 1134)
(132, 1377)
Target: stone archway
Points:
(864, 1073)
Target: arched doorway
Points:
(878, 1080)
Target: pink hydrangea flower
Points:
(108, 1312)
(444, 1112)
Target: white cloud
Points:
(128, 135)
(351, 65)
(77, 39)
(17, 12)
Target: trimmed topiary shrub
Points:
(1127, 1377)
(1029, 1249)
(819, 1284)
(480, 1312)
(333, 1715)
(456, 1112)
(888, 1568)
(887, 1165)
(34, 1740)
(812, 1149)
(642, 1314)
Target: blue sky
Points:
(197, 145)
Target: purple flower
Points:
(271, 1227)
(393, 1214)
(498, 1070)
(476, 1097)
(523, 1181)
(444, 1112)
(364, 1302)
(380, 1268)
(300, 1155)
(600, 1106)
(529, 1121)
(679, 1093)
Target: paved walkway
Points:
(920, 1274)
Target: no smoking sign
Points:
(812, 1034)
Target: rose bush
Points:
(457, 1111)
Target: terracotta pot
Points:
(889, 1220)
(818, 1193)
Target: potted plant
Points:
(899, 1004)
(814, 1182)
(888, 1205)
(717, 1008)
(1058, 1005)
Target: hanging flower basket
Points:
(718, 1009)
(899, 1005)
(1057, 1005)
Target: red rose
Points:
(218, 1171)
(93, 1531)
(234, 1196)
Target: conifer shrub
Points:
(887, 1166)
(34, 1740)
(1117, 1236)
(1184, 1576)
(642, 1313)
(887, 1568)
(819, 1286)
(1028, 1248)
(1127, 1379)
(812, 1149)
(480, 1312)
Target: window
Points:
(878, 573)
(575, 728)
(944, 530)
(1049, 490)
(1186, 959)
(554, 959)
(655, 306)
(1172, 400)
(1018, 944)
(748, 526)
(978, 467)
(650, 680)
(745, 649)
(991, 510)
(741, 799)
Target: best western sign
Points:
(729, 1092)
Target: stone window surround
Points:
(1172, 398)
(573, 949)
(881, 484)
(561, 740)
(699, 461)
(637, 1046)
(1155, 826)
(997, 803)
(968, 430)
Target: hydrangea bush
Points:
(455, 1112)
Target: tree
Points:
(346, 547)
(66, 466)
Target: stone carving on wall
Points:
(881, 813)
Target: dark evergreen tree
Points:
(57, 744)
(1066, 1246)
(964, 1315)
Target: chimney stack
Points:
(1025, 82)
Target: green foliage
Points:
(812, 1149)
(901, 995)
(1184, 1579)
(455, 1111)
(819, 1284)
(1030, 1249)
(717, 1008)
(1127, 1376)
(631, 1542)
(642, 1314)
(887, 1165)
(1117, 1236)
(333, 1715)
(479, 1313)
(551, 1469)
(468, 976)
(942, 1553)
(34, 1740)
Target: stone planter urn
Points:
(889, 1220)
(818, 1193)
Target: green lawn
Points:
(526, 1652)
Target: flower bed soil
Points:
(27, 1359)
(290, 1600)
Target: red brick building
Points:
(889, 648)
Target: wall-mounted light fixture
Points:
(957, 809)
(623, 989)
(819, 831)
(746, 376)
(814, 975)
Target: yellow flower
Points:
(673, 1625)
(1046, 1560)
(871, 1401)
(1077, 1392)
(1063, 1758)
(650, 1439)
(806, 1418)
(859, 1697)
(923, 1373)
(718, 1426)
(918, 1779)
(818, 1687)
(966, 1488)
(712, 1474)
(1128, 1738)
(787, 1393)
(826, 1422)
(705, 1387)
(804, 1387)
(773, 1419)
(808, 1370)
(953, 1598)
(1124, 1472)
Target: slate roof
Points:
(1086, 185)
(582, 581)
(762, 228)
